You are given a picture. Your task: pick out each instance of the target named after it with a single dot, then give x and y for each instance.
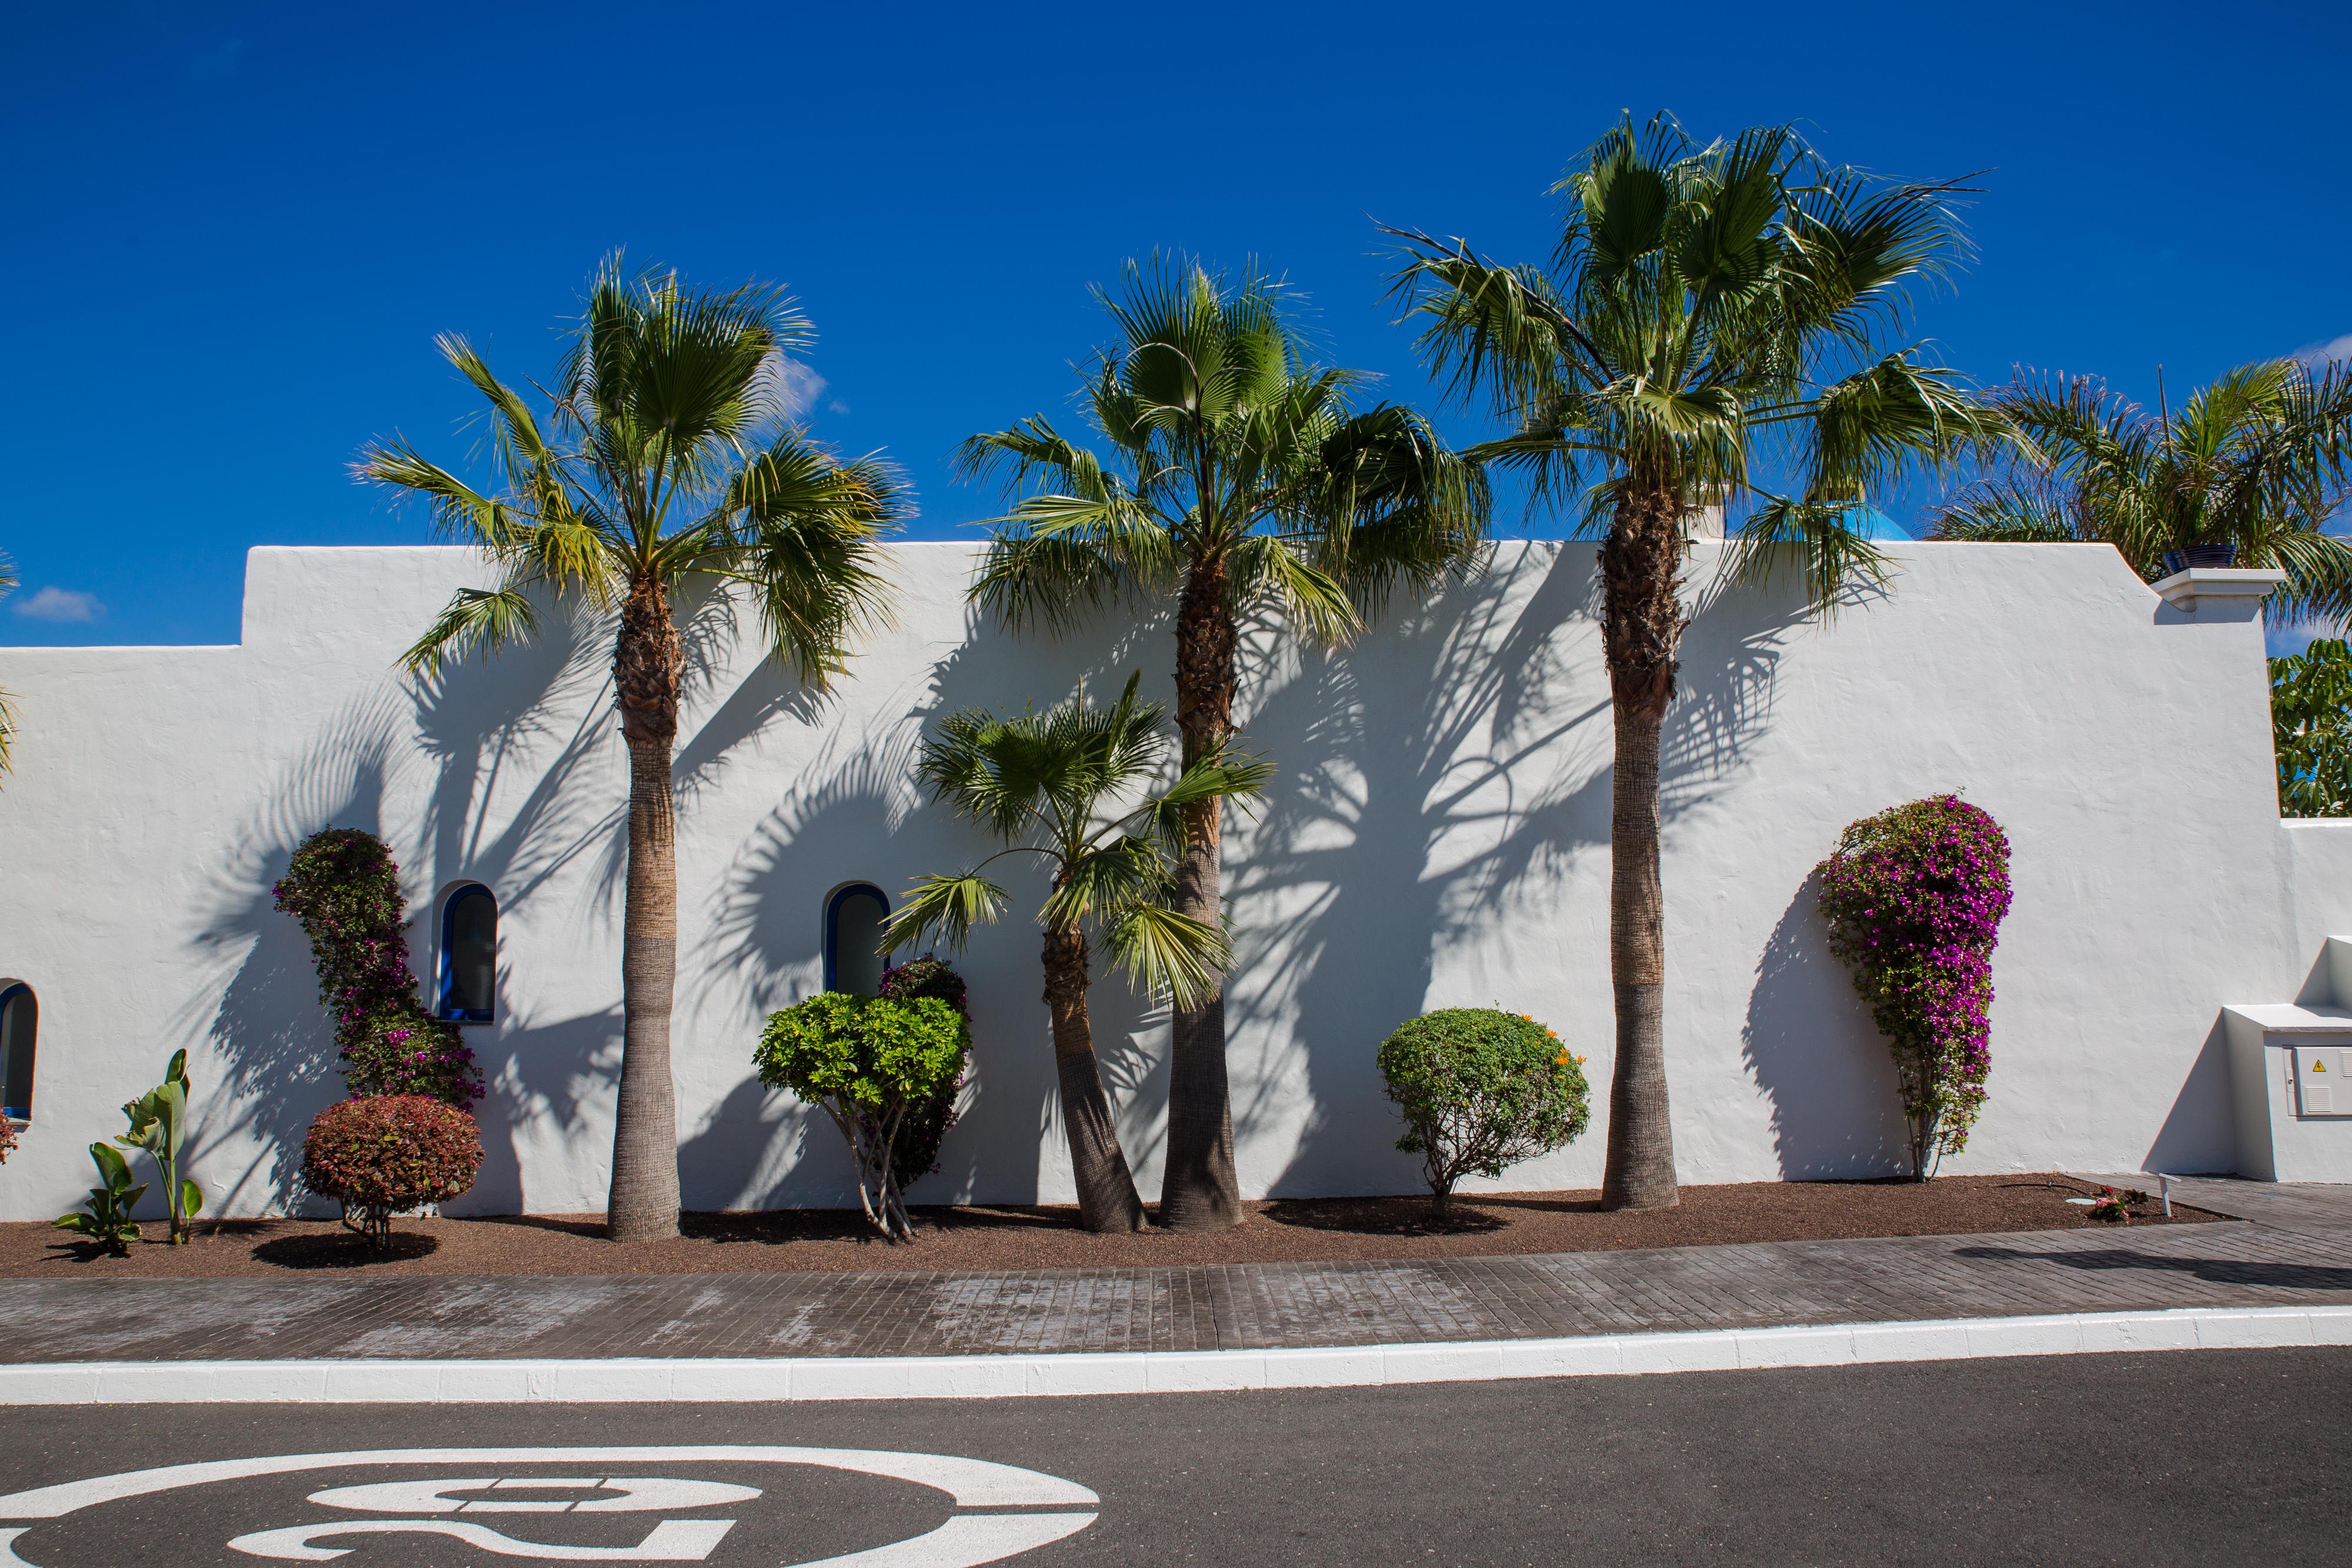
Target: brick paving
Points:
(1232, 1307)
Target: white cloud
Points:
(791, 385)
(837, 406)
(2319, 353)
(62, 604)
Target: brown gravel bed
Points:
(1294, 1230)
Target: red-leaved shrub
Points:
(8, 1138)
(390, 1154)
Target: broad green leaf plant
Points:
(666, 460)
(159, 1122)
(1063, 786)
(105, 1217)
(1719, 324)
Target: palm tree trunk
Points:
(1107, 1196)
(647, 663)
(1641, 563)
(1198, 1190)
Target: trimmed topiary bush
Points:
(918, 1153)
(344, 887)
(872, 1063)
(1481, 1090)
(390, 1154)
(1914, 897)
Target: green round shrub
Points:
(1481, 1090)
(390, 1154)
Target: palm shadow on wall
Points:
(482, 725)
(854, 813)
(537, 718)
(1445, 778)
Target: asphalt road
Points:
(2203, 1457)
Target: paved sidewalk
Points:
(1240, 1307)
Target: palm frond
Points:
(1833, 557)
(1166, 953)
(484, 619)
(945, 906)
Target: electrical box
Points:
(2323, 1080)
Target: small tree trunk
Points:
(1198, 1189)
(648, 664)
(1108, 1200)
(1642, 625)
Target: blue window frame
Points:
(853, 938)
(20, 1019)
(470, 954)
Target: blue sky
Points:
(237, 227)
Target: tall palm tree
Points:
(1045, 784)
(1239, 477)
(2258, 461)
(7, 714)
(666, 461)
(1712, 319)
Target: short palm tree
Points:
(1712, 318)
(1050, 785)
(2258, 461)
(1239, 477)
(667, 461)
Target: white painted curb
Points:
(656, 1379)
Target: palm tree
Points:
(667, 461)
(2257, 461)
(1713, 318)
(1041, 782)
(1239, 479)
(7, 714)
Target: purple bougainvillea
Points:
(344, 888)
(1914, 897)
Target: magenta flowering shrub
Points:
(344, 888)
(1914, 897)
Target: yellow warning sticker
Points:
(2317, 1065)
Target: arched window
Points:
(853, 938)
(19, 1021)
(470, 954)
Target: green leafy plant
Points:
(1481, 1090)
(387, 1154)
(927, 1125)
(159, 1123)
(870, 1062)
(2311, 730)
(663, 459)
(106, 1214)
(344, 887)
(2109, 1206)
(1042, 783)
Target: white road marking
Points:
(965, 1540)
(638, 1494)
(671, 1540)
(973, 1483)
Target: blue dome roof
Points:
(1874, 524)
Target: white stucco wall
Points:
(1437, 836)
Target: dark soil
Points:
(988, 1237)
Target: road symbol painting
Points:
(610, 1505)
